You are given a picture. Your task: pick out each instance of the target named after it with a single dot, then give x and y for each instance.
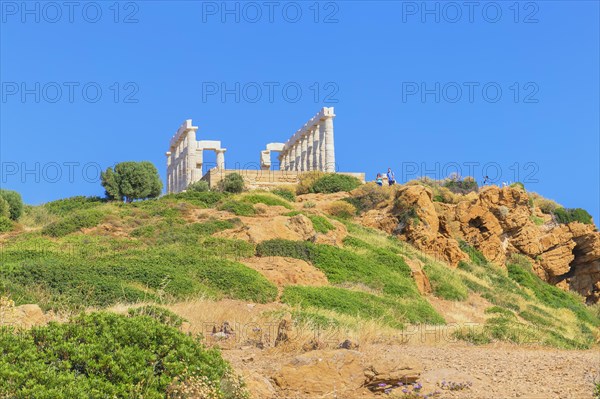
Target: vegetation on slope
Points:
(102, 355)
(156, 253)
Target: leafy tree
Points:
(129, 181)
(199, 187)
(15, 203)
(233, 183)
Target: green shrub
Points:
(321, 224)
(238, 208)
(376, 268)
(285, 193)
(6, 224)
(65, 206)
(267, 199)
(518, 184)
(207, 199)
(174, 232)
(547, 206)
(76, 221)
(200, 186)
(333, 183)
(287, 248)
(232, 183)
(101, 355)
(15, 203)
(238, 281)
(163, 315)
(307, 180)
(465, 186)
(4, 208)
(572, 215)
(368, 196)
(362, 304)
(341, 209)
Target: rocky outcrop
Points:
(497, 222)
(321, 372)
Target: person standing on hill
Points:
(391, 178)
(379, 180)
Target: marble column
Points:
(303, 153)
(220, 158)
(322, 157)
(298, 153)
(168, 155)
(329, 145)
(309, 149)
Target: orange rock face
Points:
(497, 222)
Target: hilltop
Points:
(416, 283)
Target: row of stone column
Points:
(185, 157)
(312, 148)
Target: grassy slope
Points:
(162, 258)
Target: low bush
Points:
(65, 206)
(176, 232)
(158, 313)
(341, 209)
(265, 198)
(334, 182)
(368, 196)
(101, 355)
(465, 186)
(307, 180)
(200, 186)
(4, 208)
(6, 224)
(238, 208)
(15, 203)
(232, 183)
(285, 193)
(206, 199)
(280, 247)
(91, 274)
(321, 224)
(76, 221)
(390, 311)
(546, 205)
(569, 215)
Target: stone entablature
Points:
(185, 157)
(312, 146)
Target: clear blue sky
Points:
(371, 60)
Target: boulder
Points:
(322, 372)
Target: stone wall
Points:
(262, 178)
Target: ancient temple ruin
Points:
(185, 157)
(310, 148)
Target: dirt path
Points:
(509, 371)
(504, 371)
